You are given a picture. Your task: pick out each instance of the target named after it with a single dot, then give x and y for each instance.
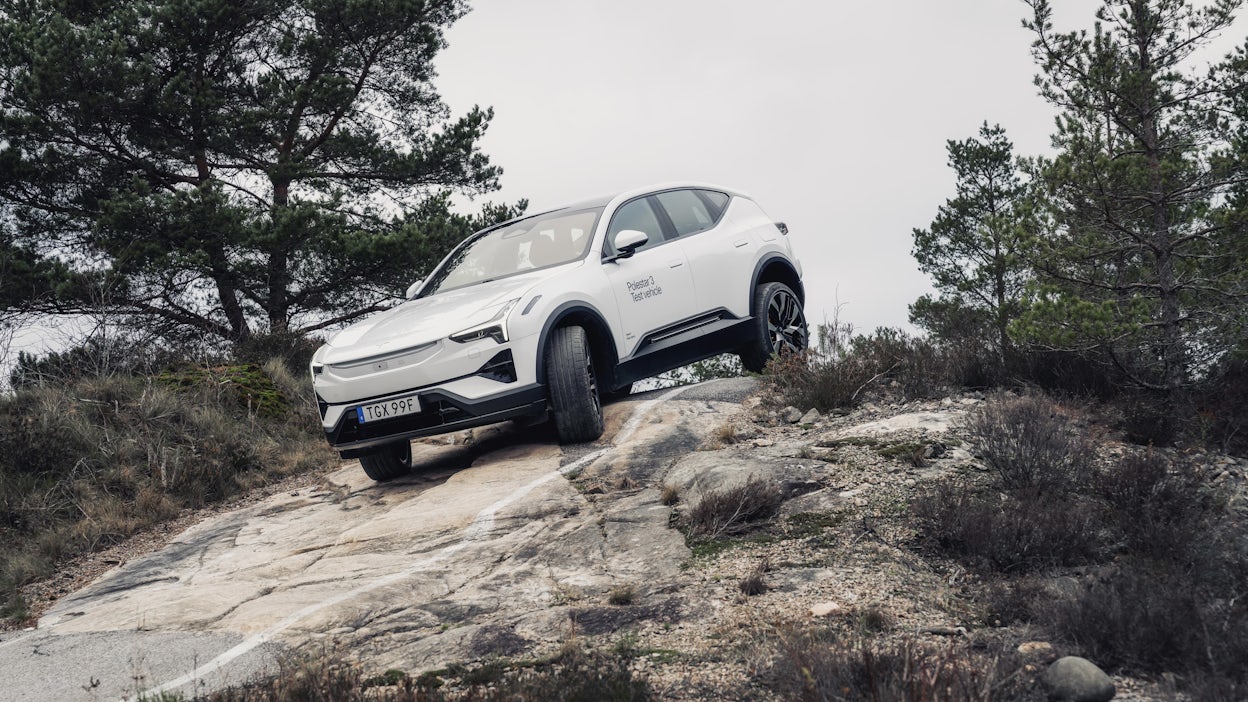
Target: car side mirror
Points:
(413, 289)
(626, 243)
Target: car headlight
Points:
(494, 328)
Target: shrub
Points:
(731, 510)
(1147, 419)
(1221, 409)
(805, 380)
(843, 367)
(1029, 443)
(1154, 621)
(917, 366)
(1160, 510)
(819, 665)
(1026, 532)
(1083, 373)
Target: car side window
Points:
(716, 202)
(692, 211)
(638, 215)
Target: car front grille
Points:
(435, 412)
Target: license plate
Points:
(387, 409)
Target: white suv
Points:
(547, 314)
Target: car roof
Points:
(604, 200)
(657, 187)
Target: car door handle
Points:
(740, 242)
(676, 264)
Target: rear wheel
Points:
(780, 326)
(574, 401)
(391, 461)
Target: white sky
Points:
(833, 115)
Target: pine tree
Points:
(1135, 264)
(972, 248)
(236, 166)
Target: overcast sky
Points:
(832, 115)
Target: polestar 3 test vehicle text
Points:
(546, 315)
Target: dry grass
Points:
(733, 509)
(821, 664)
(755, 583)
(573, 674)
(622, 595)
(670, 495)
(90, 461)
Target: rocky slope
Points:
(503, 545)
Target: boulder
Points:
(1074, 679)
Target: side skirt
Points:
(666, 350)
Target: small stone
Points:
(909, 482)
(760, 443)
(1074, 679)
(812, 415)
(1036, 649)
(827, 609)
(791, 414)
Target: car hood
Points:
(428, 319)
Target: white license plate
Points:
(387, 409)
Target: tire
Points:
(574, 402)
(391, 461)
(779, 326)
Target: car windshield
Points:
(540, 241)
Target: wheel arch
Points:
(777, 269)
(597, 331)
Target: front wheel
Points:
(574, 401)
(391, 461)
(779, 326)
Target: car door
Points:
(653, 288)
(721, 257)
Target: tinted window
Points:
(686, 210)
(715, 202)
(636, 215)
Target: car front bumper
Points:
(442, 411)
(480, 383)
